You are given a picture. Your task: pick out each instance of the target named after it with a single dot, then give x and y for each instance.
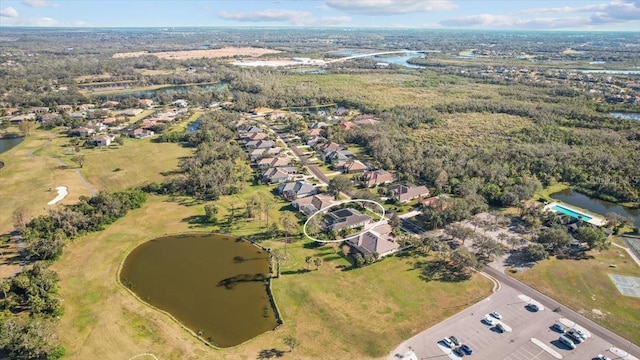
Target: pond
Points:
(626, 116)
(7, 143)
(596, 205)
(212, 284)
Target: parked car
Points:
(488, 320)
(573, 335)
(500, 328)
(458, 351)
(581, 333)
(602, 357)
(496, 315)
(448, 342)
(559, 328)
(467, 350)
(533, 307)
(454, 340)
(566, 341)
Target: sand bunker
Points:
(62, 193)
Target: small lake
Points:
(7, 144)
(626, 116)
(396, 59)
(597, 206)
(212, 284)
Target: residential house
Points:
(78, 115)
(12, 111)
(50, 117)
(326, 148)
(141, 133)
(130, 112)
(20, 118)
(110, 121)
(64, 108)
(315, 132)
(38, 110)
(342, 111)
(363, 117)
(273, 151)
(145, 102)
(246, 137)
(346, 125)
(110, 104)
(298, 189)
(315, 140)
(273, 162)
(245, 128)
(366, 122)
(81, 131)
(257, 154)
(85, 107)
(318, 125)
(346, 218)
(336, 156)
(102, 140)
(377, 177)
(180, 103)
(408, 192)
(260, 111)
(277, 175)
(260, 144)
(377, 241)
(351, 166)
(311, 204)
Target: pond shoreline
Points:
(195, 333)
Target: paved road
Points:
(551, 304)
(313, 168)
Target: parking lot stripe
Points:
(546, 348)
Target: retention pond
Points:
(214, 285)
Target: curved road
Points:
(549, 303)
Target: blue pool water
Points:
(569, 212)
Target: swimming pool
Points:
(569, 212)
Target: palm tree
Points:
(288, 222)
(317, 262)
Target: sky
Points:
(618, 15)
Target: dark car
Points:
(500, 328)
(467, 350)
(558, 328)
(533, 307)
(458, 352)
(573, 335)
(454, 340)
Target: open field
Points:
(586, 288)
(199, 54)
(320, 308)
(42, 162)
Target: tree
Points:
(308, 260)
(26, 127)
(459, 231)
(26, 339)
(595, 238)
(535, 252)
(313, 226)
(359, 260)
(487, 247)
(463, 260)
(317, 261)
(555, 239)
(252, 206)
(291, 342)
(79, 159)
(513, 241)
(119, 140)
(395, 222)
(211, 211)
(288, 222)
(340, 183)
(615, 220)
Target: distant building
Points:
(344, 219)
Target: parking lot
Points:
(531, 336)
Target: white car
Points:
(448, 342)
(496, 315)
(602, 357)
(488, 320)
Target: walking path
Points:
(84, 181)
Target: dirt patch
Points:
(597, 314)
(198, 54)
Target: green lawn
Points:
(545, 194)
(583, 285)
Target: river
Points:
(596, 205)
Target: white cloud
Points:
(36, 3)
(8, 12)
(291, 17)
(616, 11)
(390, 7)
(270, 15)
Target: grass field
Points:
(585, 286)
(323, 309)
